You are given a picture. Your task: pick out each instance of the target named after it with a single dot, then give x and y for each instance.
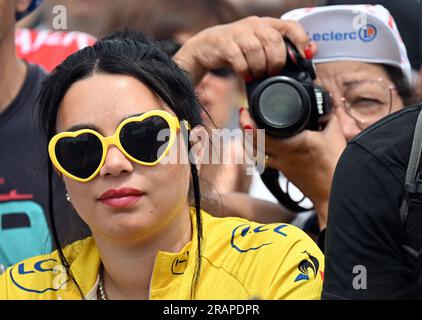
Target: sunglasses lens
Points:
(145, 140)
(79, 156)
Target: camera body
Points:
(288, 103)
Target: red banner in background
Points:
(49, 48)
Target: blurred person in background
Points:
(272, 8)
(90, 16)
(24, 229)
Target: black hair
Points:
(402, 84)
(135, 56)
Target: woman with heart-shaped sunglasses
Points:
(113, 112)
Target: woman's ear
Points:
(199, 140)
(22, 5)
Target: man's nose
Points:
(348, 124)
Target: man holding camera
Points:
(366, 79)
(360, 61)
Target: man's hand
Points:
(308, 160)
(253, 47)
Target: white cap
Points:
(364, 33)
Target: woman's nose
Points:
(115, 163)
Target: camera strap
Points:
(270, 178)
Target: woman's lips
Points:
(120, 198)
(121, 202)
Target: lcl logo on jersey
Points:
(36, 277)
(246, 238)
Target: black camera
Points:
(288, 103)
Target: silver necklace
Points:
(101, 290)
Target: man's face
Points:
(7, 17)
(362, 93)
(8, 9)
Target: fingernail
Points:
(248, 127)
(308, 52)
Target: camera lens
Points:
(281, 105)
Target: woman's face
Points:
(364, 88)
(102, 101)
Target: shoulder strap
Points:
(411, 207)
(412, 169)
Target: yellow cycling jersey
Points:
(240, 260)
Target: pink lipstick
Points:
(121, 198)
